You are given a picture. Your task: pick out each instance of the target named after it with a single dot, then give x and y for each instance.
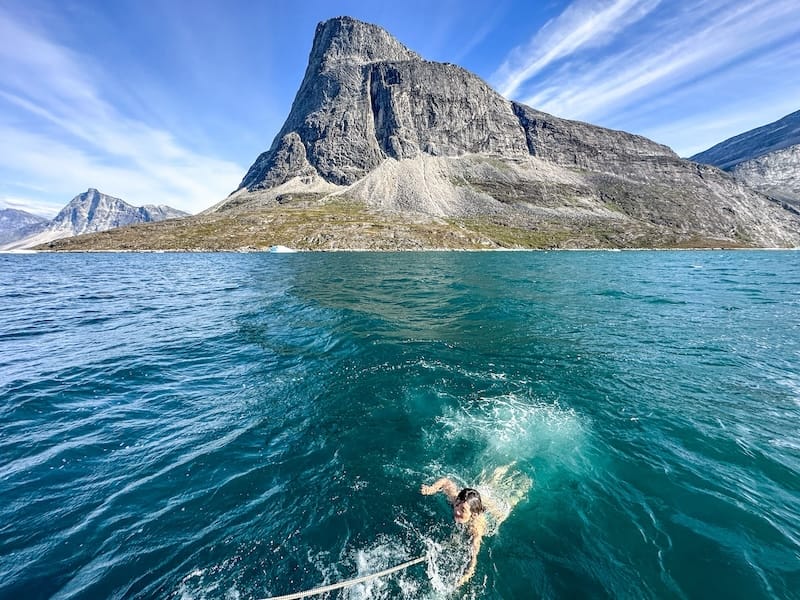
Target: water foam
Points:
(446, 554)
(513, 427)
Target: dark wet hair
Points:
(472, 499)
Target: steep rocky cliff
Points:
(328, 131)
(766, 158)
(375, 124)
(776, 174)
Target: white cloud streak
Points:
(672, 55)
(688, 74)
(59, 133)
(584, 24)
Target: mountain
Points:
(375, 123)
(93, 212)
(16, 224)
(385, 150)
(746, 146)
(766, 159)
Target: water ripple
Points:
(206, 426)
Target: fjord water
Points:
(241, 426)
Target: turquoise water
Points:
(240, 426)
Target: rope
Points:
(348, 583)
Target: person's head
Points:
(467, 503)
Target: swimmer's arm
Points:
(441, 485)
(477, 535)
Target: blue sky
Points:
(170, 101)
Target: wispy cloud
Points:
(584, 24)
(481, 33)
(59, 132)
(689, 73)
(708, 129)
(55, 165)
(688, 45)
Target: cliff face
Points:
(776, 174)
(328, 132)
(766, 159)
(92, 212)
(438, 109)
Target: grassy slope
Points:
(340, 224)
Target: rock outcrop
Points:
(93, 212)
(766, 159)
(375, 124)
(776, 174)
(328, 132)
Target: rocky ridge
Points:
(751, 144)
(92, 212)
(375, 123)
(776, 174)
(766, 159)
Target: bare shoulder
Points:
(493, 508)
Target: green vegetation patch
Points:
(340, 223)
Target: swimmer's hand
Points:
(427, 490)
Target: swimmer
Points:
(469, 508)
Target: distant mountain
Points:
(16, 224)
(781, 134)
(92, 212)
(766, 159)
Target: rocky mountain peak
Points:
(366, 97)
(89, 212)
(347, 40)
(374, 123)
(766, 158)
(15, 224)
(86, 211)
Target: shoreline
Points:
(393, 251)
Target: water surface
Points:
(240, 426)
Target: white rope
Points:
(336, 586)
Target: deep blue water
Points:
(240, 426)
